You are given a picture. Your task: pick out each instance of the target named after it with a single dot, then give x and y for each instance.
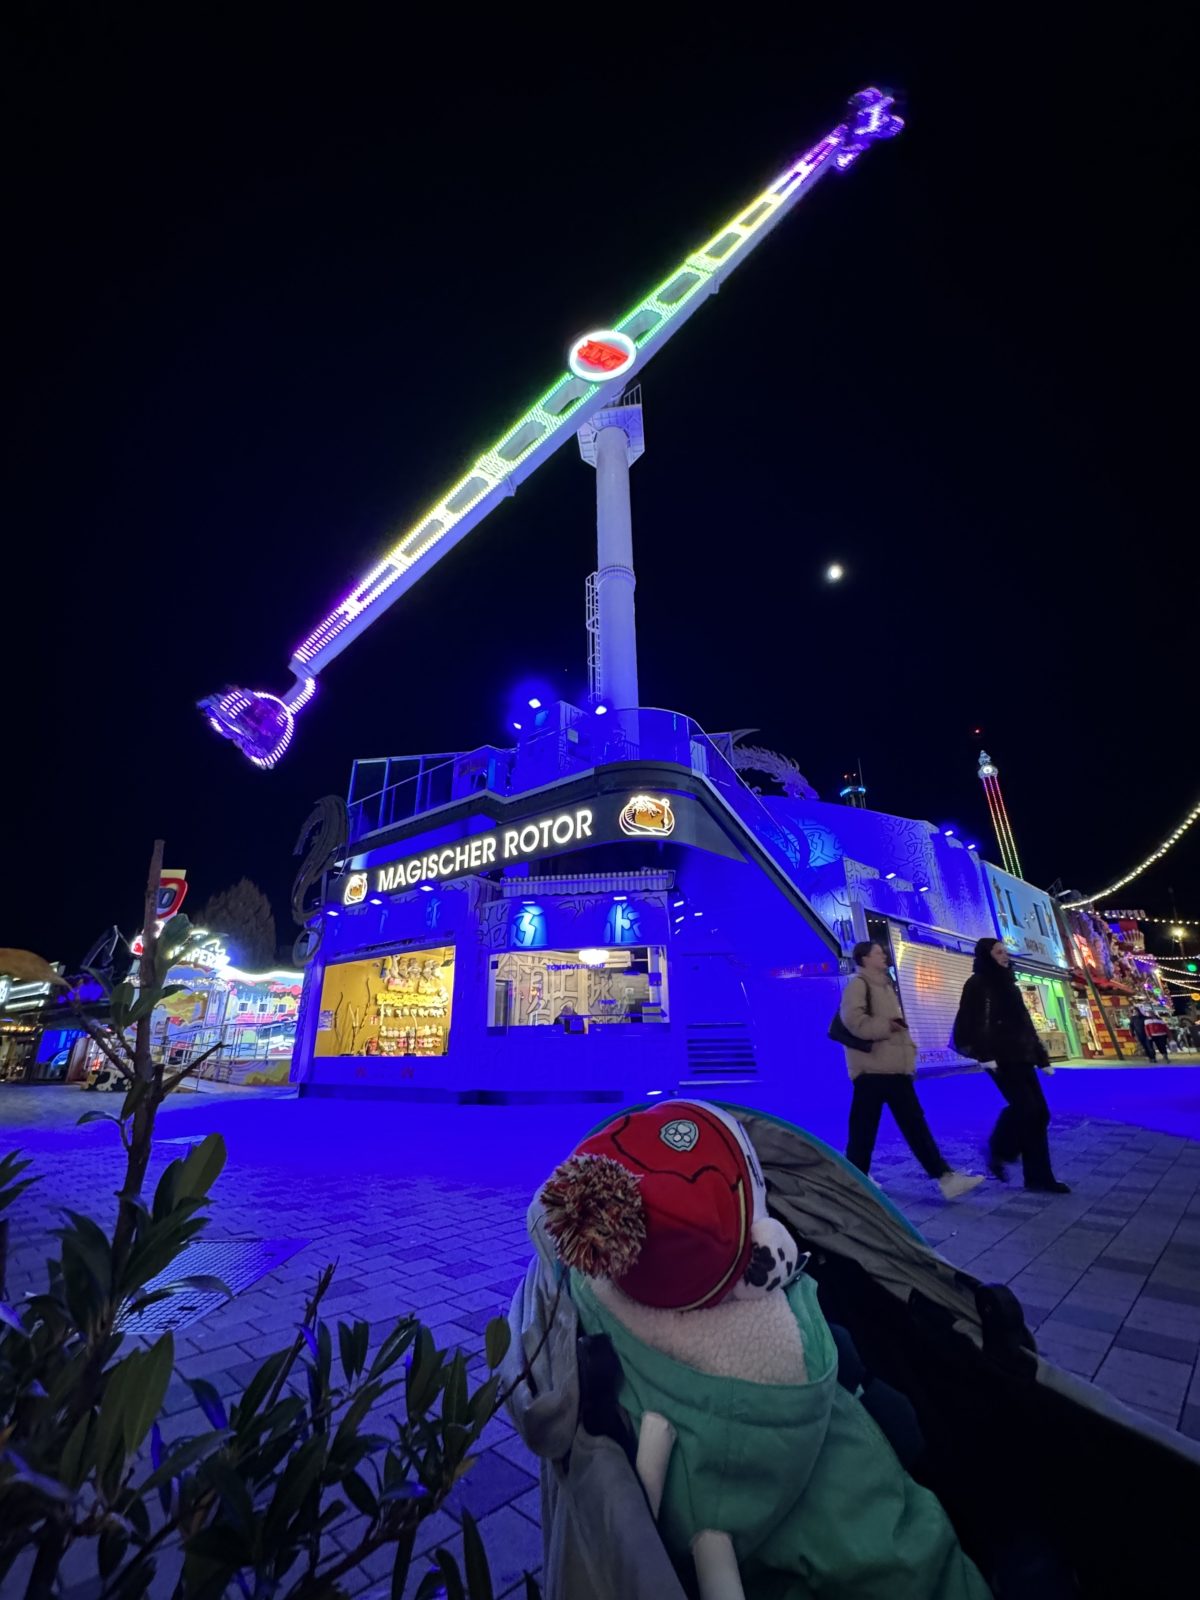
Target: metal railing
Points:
(578, 742)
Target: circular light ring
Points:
(233, 715)
(602, 355)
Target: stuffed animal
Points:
(757, 1465)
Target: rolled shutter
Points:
(931, 984)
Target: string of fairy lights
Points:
(1140, 916)
(1157, 855)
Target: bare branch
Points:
(104, 1039)
(177, 1077)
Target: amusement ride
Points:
(590, 399)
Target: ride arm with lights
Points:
(600, 368)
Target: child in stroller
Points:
(1052, 1488)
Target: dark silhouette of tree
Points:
(243, 918)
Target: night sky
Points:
(273, 286)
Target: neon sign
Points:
(172, 892)
(530, 929)
(645, 815)
(603, 355)
(624, 924)
(480, 853)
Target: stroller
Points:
(1054, 1489)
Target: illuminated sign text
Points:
(480, 853)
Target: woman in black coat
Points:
(994, 1027)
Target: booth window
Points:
(392, 1005)
(539, 988)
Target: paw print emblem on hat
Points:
(679, 1135)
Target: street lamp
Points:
(1179, 935)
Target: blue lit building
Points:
(927, 897)
(603, 911)
(608, 910)
(914, 888)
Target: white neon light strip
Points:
(1157, 855)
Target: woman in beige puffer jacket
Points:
(883, 1075)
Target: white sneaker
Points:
(955, 1184)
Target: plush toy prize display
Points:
(756, 1463)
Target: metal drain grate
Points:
(238, 1263)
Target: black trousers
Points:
(1021, 1128)
(873, 1091)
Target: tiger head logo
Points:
(644, 814)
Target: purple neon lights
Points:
(260, 724)
(872, 119)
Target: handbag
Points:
(840, 1033)
(982, 1040)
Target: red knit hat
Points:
(662, 1201)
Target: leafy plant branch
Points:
(251, 1503)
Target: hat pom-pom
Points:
(595, 1216)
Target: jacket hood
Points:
(544, 1328)
(985, 967)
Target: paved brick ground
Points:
(424, 1211)
(1109, 1276)
(451, 1252)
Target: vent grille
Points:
(720, 1053)
(238, 1263)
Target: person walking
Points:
(1137, 1027)
(1159, 1035)
(994, 1028)
(883, 1071)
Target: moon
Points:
(835, 572)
